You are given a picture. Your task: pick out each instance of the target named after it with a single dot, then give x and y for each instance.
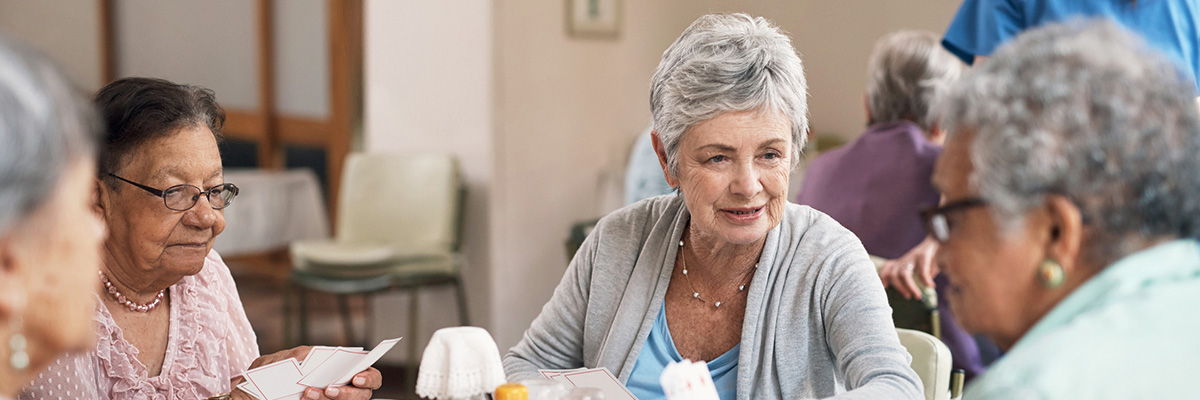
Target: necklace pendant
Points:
(718, 305)
(685, 271)
(696, 294)
(741, 288)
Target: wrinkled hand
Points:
(899, 273)
(361, 386)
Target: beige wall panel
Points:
(302, 58)
(66, 30)
(210, 43)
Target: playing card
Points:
(367, 361)
(278, 380)
(600, 378)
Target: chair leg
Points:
(302, 295)
(287, 316)
(414, 358)
(369, 319)
(347, 326)
(463, 318)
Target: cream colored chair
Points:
(931, 360)
(398, 227)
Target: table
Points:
(272, 209)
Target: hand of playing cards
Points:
(322, 367)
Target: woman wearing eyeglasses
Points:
(169, 321)
(1071, 209)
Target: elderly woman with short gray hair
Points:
(1070, 217)
(778, 299)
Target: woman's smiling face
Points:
(733, 171)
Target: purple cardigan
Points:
(876, 185)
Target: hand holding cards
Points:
(322, 367)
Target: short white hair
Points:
(728, 63)
(907, 72)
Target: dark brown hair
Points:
(137, 110)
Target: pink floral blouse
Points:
(211, 341)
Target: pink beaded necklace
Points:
(116, 294)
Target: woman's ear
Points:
(12, 283)
(100, 197)
(1065, 234)
(662, 158)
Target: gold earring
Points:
(1051, 273)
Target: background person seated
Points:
(876, 185)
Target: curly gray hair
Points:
(907, 72)
(45, 122)
(727, 63)
(1087, 111)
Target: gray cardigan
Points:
(817, 321)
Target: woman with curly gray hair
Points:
(1070, 215)
(778, 299)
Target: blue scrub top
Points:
(659, 351)
(1171, 26)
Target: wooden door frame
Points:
(266, 126)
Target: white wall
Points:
(66, 30)
(428, 84)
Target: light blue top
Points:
(659, 351)
(1171, 26)
(1130, 332)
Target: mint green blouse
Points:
(1132, 331)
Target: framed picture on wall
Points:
(594, 18)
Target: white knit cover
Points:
(459, 363)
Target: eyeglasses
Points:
(936, 222)
(184, 197)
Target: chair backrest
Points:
(931, 359)
(412, 201)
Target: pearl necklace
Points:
(116, 294)
(696, 294)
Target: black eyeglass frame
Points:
(229, 187)
(933, 217)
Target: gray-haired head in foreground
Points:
(1087, 111)
(45, 123)
(727, 63)
(907, 71)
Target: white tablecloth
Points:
(273, 209)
